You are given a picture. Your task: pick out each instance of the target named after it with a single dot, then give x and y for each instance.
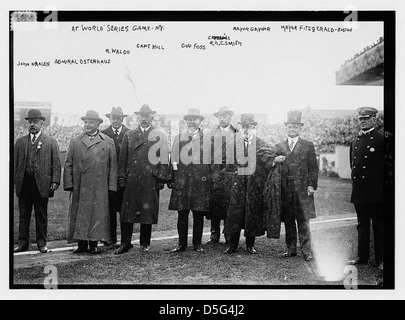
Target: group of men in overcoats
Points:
(224, 175)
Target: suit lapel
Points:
(298, 146)
(142, 138)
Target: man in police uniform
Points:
(367, 164)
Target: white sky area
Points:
(271, 72)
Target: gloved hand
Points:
(160, 185)
(121, 182)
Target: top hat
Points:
(35, 114)
(224, 110)
(92, 115)
(294, 117)
(116, 112)
(247, 119)
(367, 112)
(193, 112)
(145, 109)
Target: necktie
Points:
(116, 132)
(291, 145)
(33, 138)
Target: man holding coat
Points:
(90, 173)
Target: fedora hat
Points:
(35, 114)
(367, 112)
(116, 112)
(92, 115)
(247, 119)
(145, 109)
(193, 112)
(294, 117)
(224, 110)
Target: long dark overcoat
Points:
(367, 164)
(246, 208)
(116, 199)
(301, 166)
(47, 166)
(91, 170)
(192, 180)
(143, 161)
(222, 173)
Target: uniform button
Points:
(371, 138)
(354, 167)
(363, 177)
(354, 178)
(354, 157)
(368, 146)
(355, 147)
(364, 167)
(135, 161)
(365, 157)
(101, 161)
(358, 139)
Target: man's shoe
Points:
(251, 250)
(123, 248)
(109, 243)
(230, 249)
(145, 248)
(357, 261)
(95, 250)
(198, 248)
(178, 249)
(308, 257)
(80, 249)
(213, 241)
(43, 249)
(289, 254)
(20, 249)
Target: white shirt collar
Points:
(119, 129)
(224, 129)
(294, 140)
(144, 129)
(36, 135)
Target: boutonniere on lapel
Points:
(39, 145)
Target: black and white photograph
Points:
(203, 150)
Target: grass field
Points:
(332, 198)
(333, 244)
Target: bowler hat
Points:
(367, 112)
(116, 112)
(294, 117)
(224, 110)
(145, 109)
(92, 115)
(193, 112)
(35, 114)
(247, 119)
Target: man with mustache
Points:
(90, 173)
(142, 173)
(37, 171)
(223, 167)
(115, 131)
(367, 164)
(190, 179)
